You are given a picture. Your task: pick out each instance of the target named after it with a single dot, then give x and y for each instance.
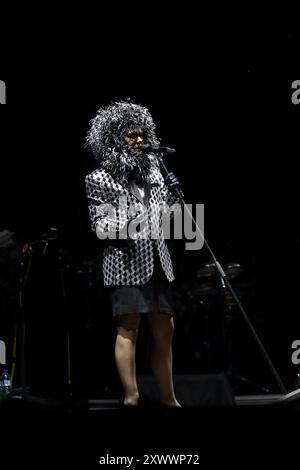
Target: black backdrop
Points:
(228, 112)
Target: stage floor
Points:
(253, 422)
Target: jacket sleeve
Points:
(171, 198)
(168, 198)
(107, 218)
(172, 203)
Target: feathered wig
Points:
(106, 139)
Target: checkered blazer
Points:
(112, 208)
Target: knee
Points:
(164, 334)
(128, 325)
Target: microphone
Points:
(158, 149)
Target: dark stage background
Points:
(231, 119)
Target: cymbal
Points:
(206, 270)
(232, 270)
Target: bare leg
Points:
(162, 329)
(128, 326)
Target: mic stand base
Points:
(237, 381)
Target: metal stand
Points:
(234, 377)
(26, 262)
(65, 300)
(27, 252)
(227, 285)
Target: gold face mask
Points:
(134, 137)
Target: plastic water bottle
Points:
(5, 385)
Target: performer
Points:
(136, 264)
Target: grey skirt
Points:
(156, 296)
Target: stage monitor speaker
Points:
(207, 390)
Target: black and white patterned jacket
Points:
(111, 207)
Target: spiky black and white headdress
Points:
(106, 139)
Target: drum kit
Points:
(208, 284)
(209, 310)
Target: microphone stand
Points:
(27, 256)
(226, 283)
(26, 252)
